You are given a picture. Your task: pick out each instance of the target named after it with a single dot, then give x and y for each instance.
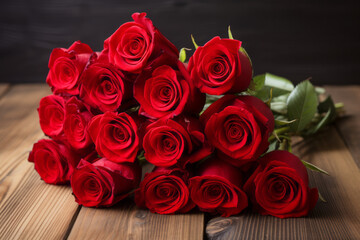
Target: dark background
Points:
(294, 39)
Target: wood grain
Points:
(126, 221)
(349, 125)
(29, 208)
(339, 218)
(19, 127)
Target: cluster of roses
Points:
(135, 100)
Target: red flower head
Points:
(219, 67)
(66, 66)
(54, 161)
(165, 191)
(115, 136)
(217, 188)
(280, 186)
(104, 183)
(136, 43)
(239, 127)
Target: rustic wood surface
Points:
(349, 126)
(31, 209)
(128, 222)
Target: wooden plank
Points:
(126, 221)
(29, 208)
(34, 209)
(349, 125)
(19, 127)
(339, 218)
(3, 88)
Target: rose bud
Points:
(103, 86)
(77, 119)
(167, 91)
(165, 191)
(239, 127)
(217, 188)
(180, 141)
(115, 136)
(54, 161)
(52, 116)
(66, 66)
(219, 67)
(279, 186)
(134, 44)
(104, 183)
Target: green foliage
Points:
(327, 109)
(314, 168)
(264, 82)
(297, 110)
(302, 105)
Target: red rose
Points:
(165, 191)
(53, 160)
(103, 86)
(104, 183)
(219, 67)
(180, 141)
(279, 186)
(134, 44)
(238, 126)
(77, 119)
(52, 116)
(167, 92)
(66, 66)
(217, 188)
(115, 136)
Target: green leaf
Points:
(282, 98)
(229, 33)
(182, 54)
(283, 122)
(327, 106)
(274, 145)
(265, 82)
(324, 121)
(193, 41)
(278, 107)
(278, 104)
(258, 82)
(280, 117)
(314, 168)
(302, 105)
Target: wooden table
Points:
(31, 209)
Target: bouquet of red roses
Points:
(218, 137)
